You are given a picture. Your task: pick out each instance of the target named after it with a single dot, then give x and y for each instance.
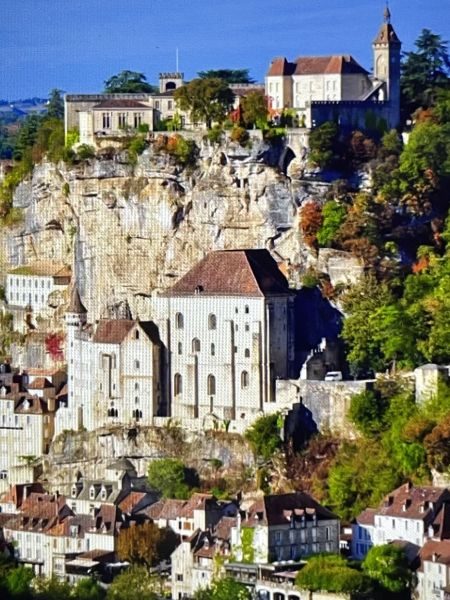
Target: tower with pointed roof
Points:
(386, 65)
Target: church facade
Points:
(218, 341)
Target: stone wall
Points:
(328, 401)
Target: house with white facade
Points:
(284, 527)
(337, 87)
(226, 326)
(408, 514)
(433, 575)
(113, 371)
(30, 286)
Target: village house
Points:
(328, 88)
(284, 527)
(433, 574)
(30, 286)
(409, 514)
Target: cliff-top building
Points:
(322, 88)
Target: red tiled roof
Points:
(367, 517)
(233, 273)
(436, 551)
(16, 493)
(222, 530)
(412, 502)
(280, 66)
(338, 64)
(112, 331)
(31, 405)
(130, 501)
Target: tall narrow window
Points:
(137, 120)
(179, 321)
(247, 353)
(244, 379)
(136, 334)
(123, 120)
(212, 322)
(136, 364)
(106, 119)
(246, 309)
(213, 350)
(195, 345)
(211, 385)
(180, 348)
(177, 384)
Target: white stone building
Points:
(30, 286)
(228, 334)
(337, 79)
(113, 371)
(433, 575)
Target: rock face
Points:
(91, 452)
(131, 229)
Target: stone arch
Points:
(287, 156)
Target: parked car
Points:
(333, 376)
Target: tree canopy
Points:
(423, 71)
(135, 583)
(227, 75)
(170, 477)
(388, 566)
(207, 100)
(264, 436)
(331, 572)
(128, 82)
(145, 544)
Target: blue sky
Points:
(76, 44)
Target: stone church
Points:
(218, 341)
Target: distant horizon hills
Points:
(22, 107)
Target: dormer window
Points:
(104, 494)
(74, 491)
(92, 492)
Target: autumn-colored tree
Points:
(311, 222)
(437, 446)
(145, 544)
(53, 345)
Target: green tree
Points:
(367, 411)
(254, 110)
(128, 82)
(145, 544)
(135, 584)
(27, 136)
(322, 144)
(55, 105)
(207, 100)
(228, 588)
(424, 70)
(264, 436)
(333, 215)
(18, 583)
(331, 573)
(227, 75)
(50, 588)
(388, 566)
(88, 589)
(170, 477)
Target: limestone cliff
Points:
(131, 229)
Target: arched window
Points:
(212, 322)
(195, 345)
(211, 385)
(177, 384)
(180, 348)
(246, 309)
(137, 414)
(244, 379)
(213, 350)
(179, 321)
(247, 353)
(136, 334)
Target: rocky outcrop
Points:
(132, 229)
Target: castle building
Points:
(113, 371)
(324, 88)
(227, 328)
